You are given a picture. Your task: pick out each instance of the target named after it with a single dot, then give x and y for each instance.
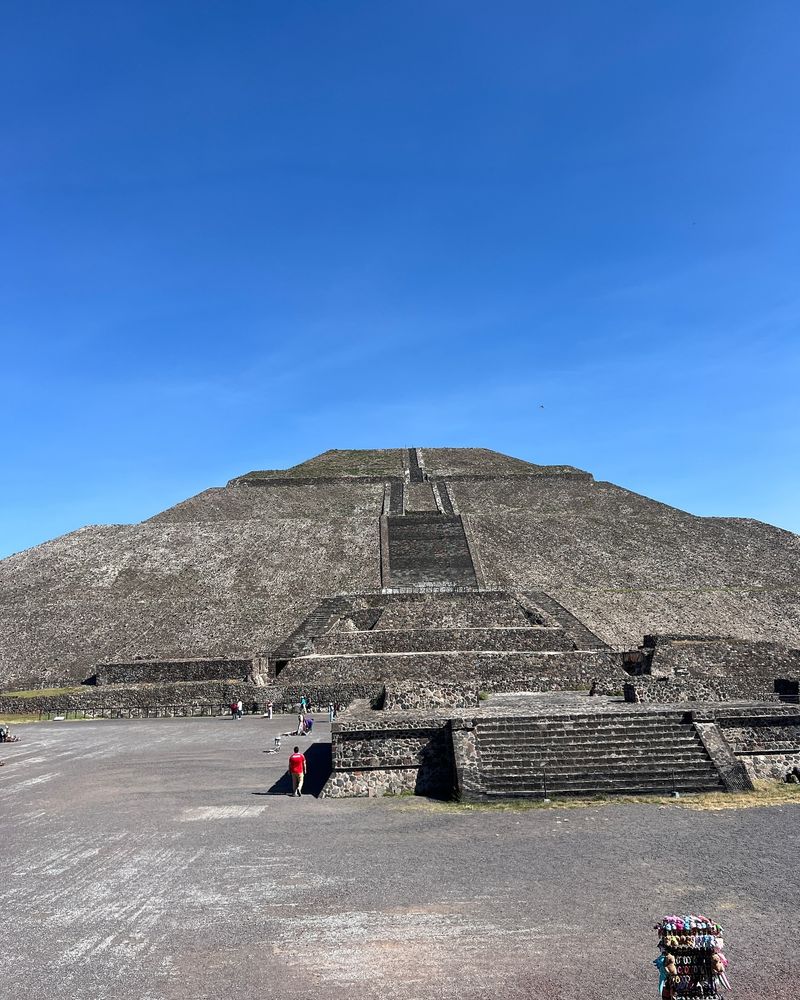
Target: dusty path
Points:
(148, 861)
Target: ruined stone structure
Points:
(416, 579)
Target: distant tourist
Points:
(254, 708)
(239, 708)
(308, 724)
(6, 737)
(297, 769)
(269, 709)
(234, 710)
(301, 724)
(303, 703)
(331, 712)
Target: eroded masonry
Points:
(459, 604)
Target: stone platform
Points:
(530, 745)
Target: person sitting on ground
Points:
(308, 724)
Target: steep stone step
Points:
(321, 619)
(593, 753)
(564, 778)
(593, 769)
(688, 754)
(580, 732)
(584, 637)
(606, 788)
(498, 736)
(586, 739)
(580, 736)
(414, 467)
(396, 494)
(589, 718)
(429, 548)
(444, 496)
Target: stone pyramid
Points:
(239, 569)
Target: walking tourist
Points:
(303, 703)
(269, 709)
(239, 708)
(331, 712)
(301, 724)
(297, 769)
(234, 711)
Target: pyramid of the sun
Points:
(235, 570)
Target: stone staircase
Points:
(320, 621)
(414, 467)
(444, 496)
(396, 493)
(429, 548)
(593, 754)
(584, 637)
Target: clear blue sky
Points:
(237, 234)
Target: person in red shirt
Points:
(297, 769)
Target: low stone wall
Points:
(767, 745)
(771, 767)
(386, 754)
(322, 695)
(178, 671)
(560, 671)
(766, 734)
(416, 696)
(143, 698)
(713, 657)
(524, 639)
(147, 700)
(665, 690)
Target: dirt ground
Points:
(162, 860)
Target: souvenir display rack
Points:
(692, 962)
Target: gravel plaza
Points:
(157, 860)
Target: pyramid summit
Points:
(236, 571)
(404, 463)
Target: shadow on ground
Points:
(318, 758)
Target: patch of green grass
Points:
(17, 720)
(483, 696)
(44, 692)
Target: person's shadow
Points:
(318, 759)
